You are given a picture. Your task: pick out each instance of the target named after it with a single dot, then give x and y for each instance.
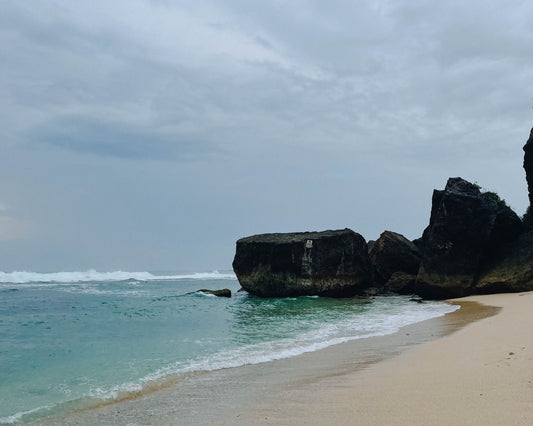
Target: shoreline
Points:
(237, 395)
(479, 375)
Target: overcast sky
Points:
(151, 135)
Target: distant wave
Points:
(20, 277)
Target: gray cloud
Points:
(269, 116)
(115, 140)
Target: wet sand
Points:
(329, 386)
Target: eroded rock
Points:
(512, 270)
(464, 228)
(391, 253)
(328, 263)
(401, 283)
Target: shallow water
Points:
(65, 344)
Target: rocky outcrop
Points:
(528, 166)
(329, 263)
(465, 227)
(392, 253)
(401, 283)
(507, 227)
(511, 269)
(474, 243)
(225, 292)
(460, 225)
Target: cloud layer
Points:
(174, 128)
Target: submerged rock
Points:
(328, 263)
(225, 292)
(392, 253)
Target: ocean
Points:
(70, 340)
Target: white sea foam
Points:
(386, 316)
(22, 277)
(203, 293)
(357, 327)
(17, 416)
(323, 337)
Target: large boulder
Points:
(464, 228)
(329, 263)
(392, 253)
(401, 283)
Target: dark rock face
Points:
(460, 225)
(401, 283)
(512, 270)
(464, 228)
(225, 292)
(418, 242)
(509, 264)
(507, 227)
(329, 263)
(528, 166)
(392, 253)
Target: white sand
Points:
(479, 375)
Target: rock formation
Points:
(474, 243)
(392, 253)
(464, 228)
(528, 166)
(512, 269)
(401, 283)
(329, 263)
(224, 292)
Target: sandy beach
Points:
(478, 373)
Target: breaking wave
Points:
(20, 277)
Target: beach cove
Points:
(477, 371)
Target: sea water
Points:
(71, 339)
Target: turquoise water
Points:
(68, 339)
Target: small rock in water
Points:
(225, 292)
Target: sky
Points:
(151, 135)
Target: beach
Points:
(472, 366)
(479, 375)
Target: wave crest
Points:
(20, 277)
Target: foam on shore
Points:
(239, 395)
(26, 277)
